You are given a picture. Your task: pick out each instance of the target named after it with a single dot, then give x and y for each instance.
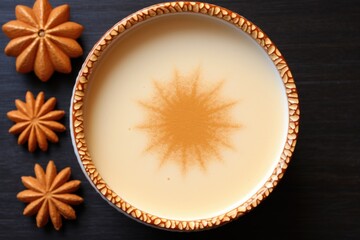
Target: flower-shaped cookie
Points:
(43, 39)
(36, 121)
(50, 195)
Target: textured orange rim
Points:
(77, 126)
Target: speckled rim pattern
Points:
(79, 92)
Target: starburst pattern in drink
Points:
(187, 121)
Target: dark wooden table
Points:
(319, 197)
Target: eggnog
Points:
(185, 116)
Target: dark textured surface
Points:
(319, 196)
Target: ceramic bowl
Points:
(184, 116)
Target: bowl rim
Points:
(79, 92)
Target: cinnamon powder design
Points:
(188, 121)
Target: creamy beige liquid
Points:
(162, 184)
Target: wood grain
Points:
(320, 193)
